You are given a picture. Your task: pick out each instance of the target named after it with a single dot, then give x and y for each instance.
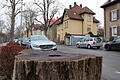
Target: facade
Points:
(111, 18)
(52, 30)
(76, 21)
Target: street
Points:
(111, 60)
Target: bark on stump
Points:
(55, 65)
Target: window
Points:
(66, 24)
(66, 15)
(89, 18)
(114, 15)
(118, 40)
(114, 31)
(88, 28)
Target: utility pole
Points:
(21, 24)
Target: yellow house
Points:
(76, 21)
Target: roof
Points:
(76, 12)
(55, 20)
(95, 20)
(39, 27)
(109, 3)
(73, 15)
(2, 34)
(86, 10)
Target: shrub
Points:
(111, 38)
(62, 42)
(7, 56)
(11, 44)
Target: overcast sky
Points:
(94, 5)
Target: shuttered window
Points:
(114, 30)
(118, 31)
(114, 15)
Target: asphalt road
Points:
(111, 60)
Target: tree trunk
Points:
(50, 65)
(27, 32)
(12, 21)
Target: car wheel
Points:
(98, 47)
(78, 46)
(107, 47)
(89, 46)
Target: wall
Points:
(107, 21)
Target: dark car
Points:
(113, 45)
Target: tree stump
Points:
(55, 65)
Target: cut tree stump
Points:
(55, 65)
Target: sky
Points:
(94, 5)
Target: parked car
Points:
(41, 42)
(113, 45)
(25, 41)
(15, 40)
(90, 42)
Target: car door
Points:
(117, 44)
(82, 42)
(85, 43)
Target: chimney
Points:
(75, 4)
(80, 5)
(70, 6)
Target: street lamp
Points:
(21, 24)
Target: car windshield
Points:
(37, 38)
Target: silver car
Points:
(41, 42)
(25, 41)
(90, 42)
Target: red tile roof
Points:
(2, 34)
(39, 27)
(75, 13)
(55, 20)
(86, 10)
(109, 3)
(95, 20)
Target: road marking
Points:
(117, 72)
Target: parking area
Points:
(111, 60)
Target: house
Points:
(76, 20)
(3, 37)
(38, 29)
(52, 29)
(111, 19)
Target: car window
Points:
(90, 39)
(98, 39)
(117, 40)
(87, 39)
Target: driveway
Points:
(111, 60)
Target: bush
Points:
(11, 44)
(62, 42)
(111, 38)
(7, 56)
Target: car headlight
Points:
(36, 46)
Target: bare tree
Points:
(29, 17)
(11, 5)
(2, 26)
(47, 9)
